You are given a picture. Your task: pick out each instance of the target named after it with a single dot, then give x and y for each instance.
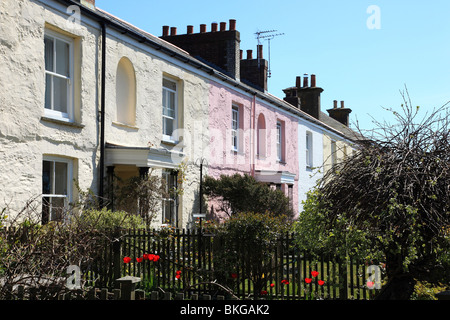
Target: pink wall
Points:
(223, 160)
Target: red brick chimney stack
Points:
(221, 49)
(341, 114)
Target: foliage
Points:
(424, 290)
(33, 254)
(242, 193)
(395, 190)
(245, 246)
(140, 195)
(315, 236)
(107, 219)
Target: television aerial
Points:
(267, 35)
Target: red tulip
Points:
(145, 256)
(178, 276)
(314, 274)
(321, 282)
(308, 280)
(263, 292)
(272, 285)
(139, 259)
(234, 275)
(156, 258)
(126, 260)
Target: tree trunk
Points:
(399, 287)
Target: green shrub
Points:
(245, 247)
(107, 219)
(243, 193)
(426, 291)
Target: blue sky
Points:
(367, 68)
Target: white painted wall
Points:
(26, 136)
(308, 176)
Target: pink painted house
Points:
(250, 136)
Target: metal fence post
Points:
(116, 255)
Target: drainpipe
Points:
(102, 118)
(254, 133)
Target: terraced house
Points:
(89, 99)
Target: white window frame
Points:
(309, 149)
(51, 113)
(279, 141)
(235, 128)
(168, 91)
(68, 195)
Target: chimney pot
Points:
(335, 104)
(305, 81)
(298, 82)
(342, 105)
(190, 29)
(313, 80)
(223, 26)
(165, 30)
(202, 28)
(260, 51)
(249, 54)
(232, 25)
(173, 31)
(240, 54)
(214, 27)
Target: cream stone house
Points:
(87, 97)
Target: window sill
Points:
(237, 152)
(281, 162)
(123, 125)
(63, 122)
(170, 142)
